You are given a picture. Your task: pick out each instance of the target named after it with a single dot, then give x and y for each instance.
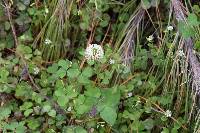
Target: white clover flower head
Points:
(69, 109)
(181, 53)
(130, 94)
(111, 61)
(168, 113)
(36, 70)
(94, 52)
(150, 38)
(170, 28)
(47, 41)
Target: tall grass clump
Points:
(53, 37)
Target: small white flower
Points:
(70, 65)
(97, 126)
(170, 28)
(46, 10)
(150, 38)
(36, 70)
(130, 94)
(94, 52)
(79, 12)
(111, 61)
(102, 124)
(168, 113)
(124, 64)
(137, 103)
(47, 41)
(69, 109)
(181, 53)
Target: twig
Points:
(130, 78)
(55, 105)
(106, 34)
(11, 24)
(89, 41)
(162, 111)
(37, 88)
(82, 63)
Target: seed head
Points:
(94, 52)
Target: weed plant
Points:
(99, 66)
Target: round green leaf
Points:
(52, 113)
(87, 72)
(64, 64)
(61, 73)
(73, 72)
(109, 115)
(80, 130)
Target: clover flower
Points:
(170, 28)
(36, 70)
(181, 53)
(130, 94)
(69, 109)
(150, 38)
(168, 113)
(47, 41)
(94, 52)
(111, 61)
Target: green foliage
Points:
(47, 85)
(75, 91)
(109, 115)
(188, 30)
(5, 112)
(146, 4)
